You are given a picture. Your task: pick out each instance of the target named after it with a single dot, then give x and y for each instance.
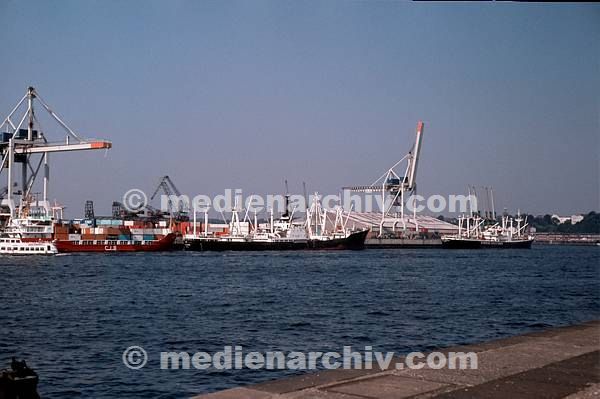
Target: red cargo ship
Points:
(164, 243)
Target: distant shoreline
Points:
(566, 239)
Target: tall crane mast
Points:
(22, 140)
(394, 186)
(414, 159)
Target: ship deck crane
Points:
(394, 186)
(22, 139)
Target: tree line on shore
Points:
(547, 224)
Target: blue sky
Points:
(246, 94)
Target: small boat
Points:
(16, 246)
(19, 381)
(164, 243)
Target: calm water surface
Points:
(72, 316)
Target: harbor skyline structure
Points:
(249, 87)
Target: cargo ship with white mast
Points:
(474, 234)
(317, 232)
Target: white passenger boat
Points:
(15, 246)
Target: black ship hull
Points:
(355, 241)
(482, 244)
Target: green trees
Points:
(545, 224)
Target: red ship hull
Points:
(164, 244)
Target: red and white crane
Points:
(22, 141)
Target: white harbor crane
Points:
(395, 186)
(22, 141)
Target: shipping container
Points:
(59, 228)
(110, 222)
(112, 230)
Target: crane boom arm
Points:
(412, 177)
(42, 148)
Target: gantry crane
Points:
(22, 141)
(394, 186)
(179, 212)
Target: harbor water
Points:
(72, 316)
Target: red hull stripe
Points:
(164, 244)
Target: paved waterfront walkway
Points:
(557, 363)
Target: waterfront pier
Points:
(556, 363)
